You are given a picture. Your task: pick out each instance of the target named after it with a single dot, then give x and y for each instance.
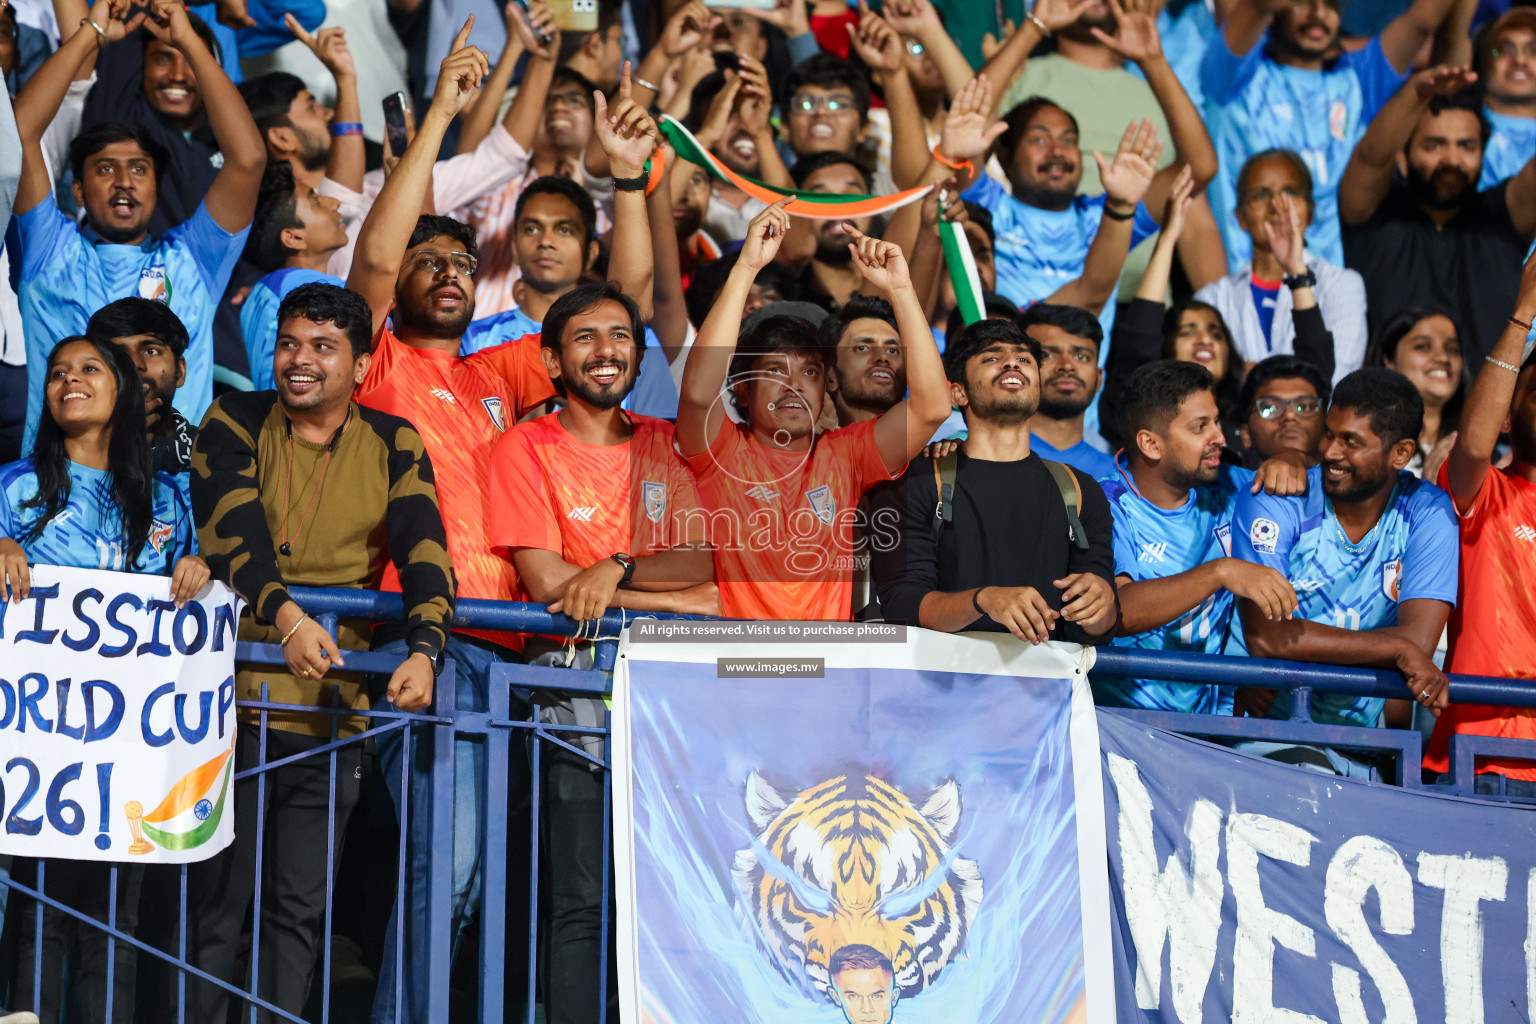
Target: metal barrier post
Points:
(439, 936)
(493, 858)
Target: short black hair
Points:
(981, 335)
(710, 278)
(1469, 99)
(993, 307)
(1075, 321)
(860, 307)
(553, 185)
(270, 97)
(133, 315)
(435, 225)
(1281, 367)
(809, 165)
(583, 299)
(570, 76)
(329, 303)
(1151, 396)
(829, 71)
(769, 335)
(1390, 400)
(277, 210)
(99, 136)
(1291, 157)
(1018, 119)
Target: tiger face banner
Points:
(117, 719)
(866, 832)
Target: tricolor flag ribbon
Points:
(815, 205)
(962, 271)
(190, 813)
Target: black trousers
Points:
(292, 910)
(85, 886)
(573, 830)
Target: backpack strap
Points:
(944, 469)
(1072, 497)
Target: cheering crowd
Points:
(1193, 327)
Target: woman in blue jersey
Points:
(89, 497)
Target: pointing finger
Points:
(463, 36)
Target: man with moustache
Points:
(1415, 225)
(831, 278)
(157, 340)
(1506, 65)
(868, 370)
(1372, 553)
(1273, 80)
(1069, 340)
(1001, 553)
(1283, 401)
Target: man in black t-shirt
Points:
(1007, 558)
(1416, 227)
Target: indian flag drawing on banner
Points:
(815, 205)
(190, 813)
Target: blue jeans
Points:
(1487, 784)
(472, 665)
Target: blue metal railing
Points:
(496, 726)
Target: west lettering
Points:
(1358, 866)
(1467, 882)
(1259, 927)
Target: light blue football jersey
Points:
(1412, 552)
(1509, 148)
(87, 534)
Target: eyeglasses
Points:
(914, 47)
(1264, 195)
(1527, 50)
(433, 262)
(806, 103)
(1274, 408)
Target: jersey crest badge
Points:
(1391, 577)
(655, 496)
(822, 503)
(153, 284)
(160, 534)
(1264, 533)
(493, 407)
(1224, 538)
(1338, 120)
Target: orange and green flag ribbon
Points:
(816, 205)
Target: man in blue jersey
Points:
(293, 236)
(1172, 501)
(1272, 81)
(1371, 550)
(68, 272)
(1069, 340)
(1506, 65)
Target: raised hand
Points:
(460, 74)
(626, 131)
(1180, 196)
(1058, 14)
(764, 236)
(536, 29)
(969, 127)
(1128, 177)
(329, 45)
(877, 43)
(117, 18)
(1287, 240)
(788, 16)
(879, 262)
(233, 14)
(168, 22)
(718, 116)
(756, 95)
(1442, 81)
(688, 28)
(916, 18)
(1136, 37)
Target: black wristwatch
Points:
(434, 655)
(635, 184)
(1305, 279)
(628, 563)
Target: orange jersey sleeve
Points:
(519, 365)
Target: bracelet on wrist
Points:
(635, 184)
(1305, 279)
(340, 128)
(1044, 29)
(289, 635)
(1522, 324)
(1117, 215)
(976, 600)
(963, 165)
(642, 83)
(101, 33)
(1501, 364)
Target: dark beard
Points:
(1007, 410)
(1063, 409)
(1044, 198)
(1358, 490)
(1282, 44)
(834, 252)
(1426, 194)
(858, 395)
(433, 325)
(599, 398)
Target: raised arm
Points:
(970, 129)
(231, 199)
(381, 242)
(348, 160)
(1136, 39)
(903, 430)
(1406, 34)
(541, 39)
(1488, 405)
(687, 28)
(480, 115)
(67, 13)
(669, 315)
(1368, 176)
(878, 46)
(1047, 17)
(1246, 23)
(700, 409)
(1288, 241)
(920, 20)
(629, 137)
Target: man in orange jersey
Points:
(782, 499)
(596, 510)
(1493, 628)
(422, 270)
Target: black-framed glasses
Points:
(433, 262)
(1270, 408)
(808, 103)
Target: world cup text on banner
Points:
(117, 719)
(870, 833)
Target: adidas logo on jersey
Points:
(1525, 533)
(1154, 551)
(444, 395)
(762, 493)
(583, 515)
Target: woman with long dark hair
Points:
(1424, 345)
(88, 497)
